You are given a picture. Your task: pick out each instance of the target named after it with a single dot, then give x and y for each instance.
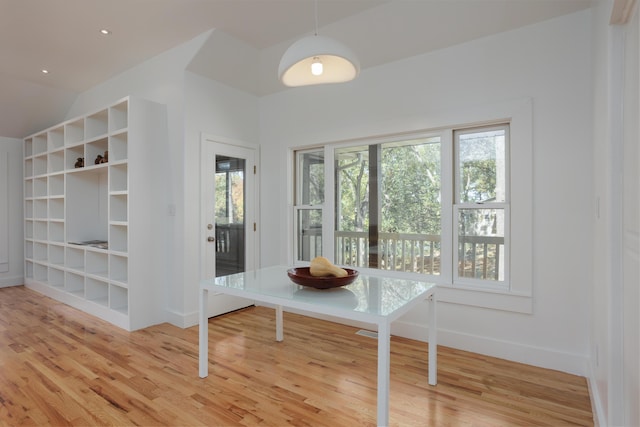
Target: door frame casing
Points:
(209, 142)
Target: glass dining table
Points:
(375, 297)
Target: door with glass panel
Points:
(228, 216)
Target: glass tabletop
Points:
(372, 294)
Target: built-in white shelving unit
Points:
(93, 234)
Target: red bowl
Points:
(302, 276)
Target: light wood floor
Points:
(59, 366)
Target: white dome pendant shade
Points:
(316, 60)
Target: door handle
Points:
(211, 239)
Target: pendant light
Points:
(316, 60)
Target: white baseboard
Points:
(599, 415)
(547, 358)
(181, 320)
(11, 281)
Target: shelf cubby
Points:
(118, 240)
(56, 231)
(97, 263)
(40, 251)
(118, 176)
(74, 258)
(40, 230)
(119, 268)
(97, 291)
(87, 205)
(96, 124)
(40, 165)
(94, 148)
(119, 299)
(28, 147)
(56, 185)
(56, 277)
(74, 132)
(40, 272)
(28, 269)
(55, 138)
(28, 229)
(56, 208)
(40, 187)
(72, 154)
(118, 147)
(74, 283)
(28, 188)
(118, 207)
(40, 208)
(56, 161)
(56, 255)
(28, 249)
(39, 144)
(28, 208)
(119, 116)
(28, 168)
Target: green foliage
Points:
(409, 191)
(229, 197)
(479, 156)
(352, 190)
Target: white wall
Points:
(615, 322)
(549, 62)
(221, 111)
(11, 216)
(630, 234)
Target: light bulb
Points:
(316, 66)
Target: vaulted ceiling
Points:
(63, 37)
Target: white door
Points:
(228, 229)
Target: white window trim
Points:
(519, 296)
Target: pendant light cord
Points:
(316, 15)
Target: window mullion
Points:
(447, 215)
(375, 169)
(329, 207)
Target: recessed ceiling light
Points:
(45, 71)
(105, 32)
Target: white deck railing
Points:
(417, 253)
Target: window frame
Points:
(504, 206)
(518, 296)
(298, 207)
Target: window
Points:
(309, 200)
(388, 206)
(481, 204)
(453, 205)
(230, 190)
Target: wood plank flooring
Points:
(59, 366)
